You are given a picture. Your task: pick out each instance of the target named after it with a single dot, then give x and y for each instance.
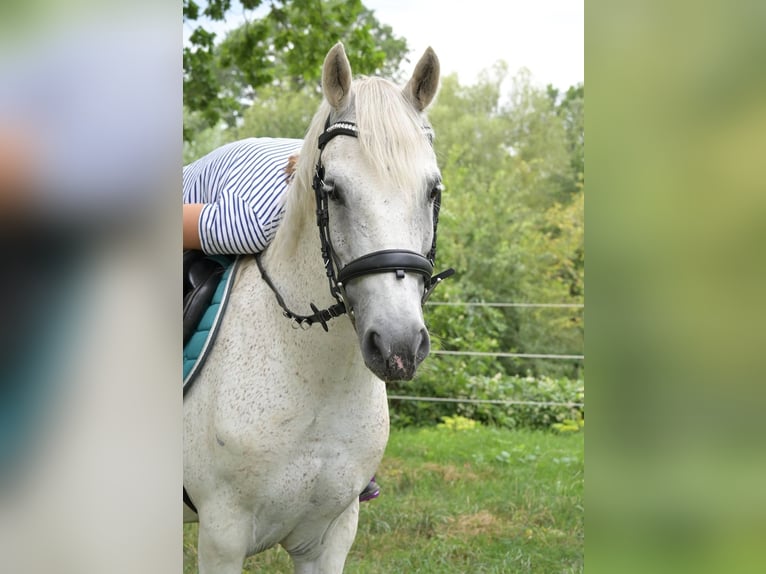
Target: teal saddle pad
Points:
(199, 344)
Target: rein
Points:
(398, 261)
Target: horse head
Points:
(381, 185)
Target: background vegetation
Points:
(282, 43)
(513, 163)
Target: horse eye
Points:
(435, 191)
(331, 190)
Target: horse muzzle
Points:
(388, 288)
(395, 356)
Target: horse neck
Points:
(295, 266)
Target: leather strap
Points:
(320, 316)
(385, 261)
(336, 129)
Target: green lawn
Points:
(483, 500)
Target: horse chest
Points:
(303, 423)
(311, 429)
(302, 457)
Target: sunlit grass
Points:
(480, 500)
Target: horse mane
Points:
(391, 137)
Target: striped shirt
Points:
(243, 185)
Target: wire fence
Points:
(511, 355)
(499, 354)
(485, 401)
(523, 305)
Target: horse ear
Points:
(336, 77)
(421, 88)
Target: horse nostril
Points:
(424, 346)
(374, 345)
(398, 358)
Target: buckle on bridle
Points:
(343, 299)
(435, 280)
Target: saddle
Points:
(201, 275)
(207, 280)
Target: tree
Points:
(571, 109)
(512, 219)
(279, 113)
(282, 42)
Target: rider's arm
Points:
(191, 213)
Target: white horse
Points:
(284, 427)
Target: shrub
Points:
(457, 423)
(552, 401)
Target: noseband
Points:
(398, 261)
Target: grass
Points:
(482, 501)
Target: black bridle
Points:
(399, 261)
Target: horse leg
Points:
(336, 543)
(224, 537)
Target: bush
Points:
(548, 391)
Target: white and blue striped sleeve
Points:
(243, 186)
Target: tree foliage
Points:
(512, 219)
(282, 42)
